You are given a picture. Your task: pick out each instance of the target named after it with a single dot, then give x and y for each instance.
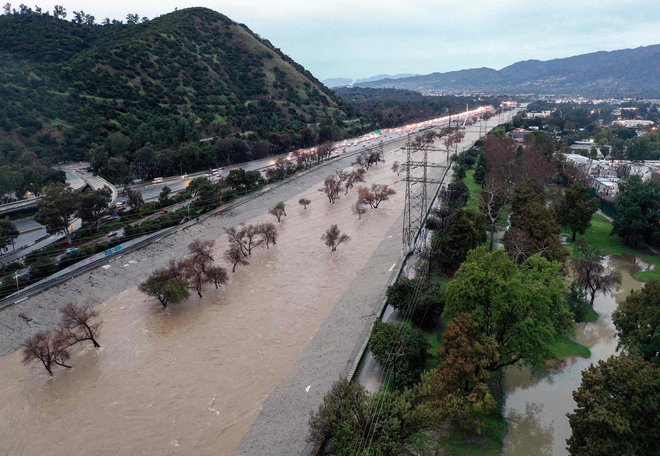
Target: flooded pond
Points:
(536, 404)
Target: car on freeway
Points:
(111, 234)
(164, 211)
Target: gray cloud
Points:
(364, 37)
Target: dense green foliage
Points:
(458, 389)
(464, 230)
(625, 143)
(637, 321)
(617, 409)
(416, 299)
(637, 221)
(160, 85)
(576, 208)
(401, 348)
(534, 228)
(521, 307)
(8, 232)
(352, 422)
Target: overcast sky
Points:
(361, 38)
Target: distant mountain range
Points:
(626, 72)
(343, 82)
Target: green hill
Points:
(161, 85)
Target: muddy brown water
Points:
(192, 379)
(536, 405)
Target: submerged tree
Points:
(359, 209)
(331, 187)
(253, 237)
(333, 237)
(350, 178)
(236, 237)
(591, 273)
(78, 323)
(304, 202)
(216, 275)
(200, 252)
(234, 255)
(268, 232)
(49, 347)
(167, 285)
(376, 195)
(278, 211)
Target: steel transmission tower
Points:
(417, 182)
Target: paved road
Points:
(150, 191)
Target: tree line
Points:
(77, 17)
(501, 307)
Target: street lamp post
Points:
(16, 277)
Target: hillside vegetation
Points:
(115, 89)
(625, 72)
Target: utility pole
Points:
(16, 277)
(417, 180)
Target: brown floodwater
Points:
(536, 404)
(191, 380)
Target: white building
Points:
(633, 123)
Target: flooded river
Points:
(191, 380)
(536, 405)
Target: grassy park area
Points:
(599, 235)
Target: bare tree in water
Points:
(376, 195)
(49, 347)
(201, 252)
(268, 232)
(234, 255)
(350, 178)
(236, 237)
(167, 285)
(79, 323)
(216, 275)
(333, 237)
(194, 273)
(278, 211)
(359, 208)
(304, 202)
(591, 273)
(331, 188)
(253, 237)
(396, 167)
